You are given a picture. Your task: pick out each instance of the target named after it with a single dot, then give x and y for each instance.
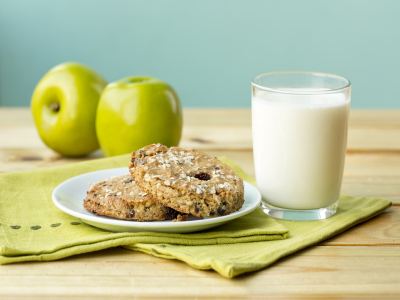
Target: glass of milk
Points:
(299, 125)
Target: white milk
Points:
(299, 147)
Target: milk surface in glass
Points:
(299, 144)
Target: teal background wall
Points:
(209, 50)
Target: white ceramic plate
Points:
(69, 195)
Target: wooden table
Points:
(361, 263)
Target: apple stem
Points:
(55, 106)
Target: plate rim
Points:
(148, 224)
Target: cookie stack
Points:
(168, 184)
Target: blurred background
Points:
(209, 50)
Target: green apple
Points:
(137, 111)
(64, 105)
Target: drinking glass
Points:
(299, 126)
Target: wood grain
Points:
(370, 130)
(383, 230)
(319, 271)
(362, 263)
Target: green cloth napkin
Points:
(233, 260)
(32, 229)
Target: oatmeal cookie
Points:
(187, 180)
(120, 197)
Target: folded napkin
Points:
(32, 229)
(233, 260)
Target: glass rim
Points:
(346, 85)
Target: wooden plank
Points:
(374, 130)
(21, 159)
(383, 230)
(117, 273)
(336, 272)
(374, 175)
(370, 130)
